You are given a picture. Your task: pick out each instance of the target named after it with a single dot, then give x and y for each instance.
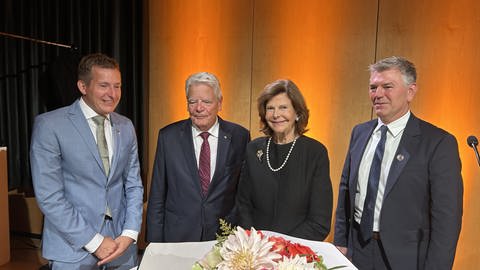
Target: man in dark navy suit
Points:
(196, 169)
(401, 191)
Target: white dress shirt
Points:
(89, 113)
(394, 135)
(212, 141)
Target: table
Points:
(184, 255)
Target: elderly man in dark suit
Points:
(400, 197)
(196, 169)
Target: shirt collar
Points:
(213, 130)
(397, 126)
(87, 111)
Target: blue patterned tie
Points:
(366, 223)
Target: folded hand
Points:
(122, 242)
(106, 248)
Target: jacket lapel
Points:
(356, 152)
(81, 125)
(223, 147)
(410, 140)
(116, 141)
(186, 143)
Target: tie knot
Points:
(383, 130)
(98, 120)
(204, 135)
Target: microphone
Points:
(473, 142)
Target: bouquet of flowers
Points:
(239, 249)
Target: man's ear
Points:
(220, 103)
(82, 87)
(412, 90)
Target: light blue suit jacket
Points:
(71, 187)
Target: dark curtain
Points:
(36, 77)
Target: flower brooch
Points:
(260, 154)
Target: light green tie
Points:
(102, 142)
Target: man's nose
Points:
(200, 106)
(110, 91)
(380, 91)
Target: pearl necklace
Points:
(286, 159)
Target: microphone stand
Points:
(472, 142)
(476, 153)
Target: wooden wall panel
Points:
(192, 36)
(441, 38)
(325, 48)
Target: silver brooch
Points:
(260, 155)
(400, 157)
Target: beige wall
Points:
(324, 47)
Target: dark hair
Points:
(288, 87)
(96, 59)
(405, 67)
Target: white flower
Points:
(247, 252)
(295, 263)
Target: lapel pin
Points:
(259, 155)
(400, 157)
(225, 137)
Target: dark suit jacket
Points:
(177, 209)
(421, 214)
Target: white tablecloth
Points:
(184, 255)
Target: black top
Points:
(296, 200)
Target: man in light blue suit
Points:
(91, 195)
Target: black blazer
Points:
(298, 204)
(421, 214)
(177, 209)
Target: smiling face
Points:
(203, 106)
(103, 92)
(390, 94)
(280, 116)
